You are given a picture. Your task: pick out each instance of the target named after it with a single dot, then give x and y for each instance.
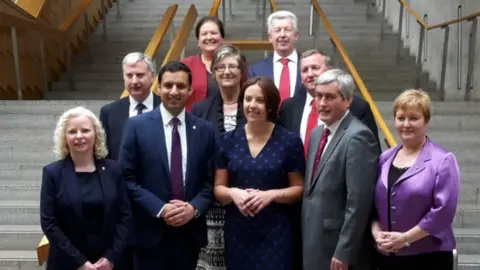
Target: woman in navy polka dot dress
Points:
(259, 178)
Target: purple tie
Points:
(176, 170)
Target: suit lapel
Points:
(386, 167)
(299, 104)
(191, 129)
(124, 112)
(72, 186)
(420, 164)
(332, 145)
(108, 187)
(156, 101)
(269, 67)
(158, 133)
(312, 150)
(298, 84)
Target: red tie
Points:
(284, 80)
(318, 156)
(311, 124)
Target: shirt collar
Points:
(309, 99)
(167, 116)
(148, 102)
(333, 127)
(293, 57)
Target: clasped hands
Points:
(389, 242)
(101, 264)
(177, 213)
(250, 201)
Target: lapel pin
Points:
(103, 168)
(194, 127)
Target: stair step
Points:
(19, 212)
(19, 260)
(19, 237)
(468, 216)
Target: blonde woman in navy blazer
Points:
(83, 203)
(416, 194)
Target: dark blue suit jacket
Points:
(61, 214)
(144, 160)
(264, 68)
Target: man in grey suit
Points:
(339, 182)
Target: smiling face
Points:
(228, 72)
(209, 37)
(331, 105)
(411, 125)
(283, 36)
(254, 104)
(311, 67)
(80, 135)
(174, 90)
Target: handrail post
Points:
(419, 56)
(118, 8)
(16, 62)
(104, 23)
(400, 25)
(382, 26)
(455, 259)
(471, 57)
(87, 38)
(68, 68)
(43, 61)
(311, 19)
(444, 63)
(224, 17)
(230, 11)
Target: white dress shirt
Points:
(333, 128)
(292, 67)
(148, 102)
(167, 129)
(306, 112)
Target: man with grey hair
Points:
(339, 182)
(138, 77)
(283, 66)
(299, 113)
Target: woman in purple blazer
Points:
(416, 194)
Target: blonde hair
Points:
(60, 147)
(415, 99)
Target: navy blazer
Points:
(264, 68)
(113, 117)
(61, 215)
(291, 111)
(144, 160)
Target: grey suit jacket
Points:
(338, 198)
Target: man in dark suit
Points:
(167, 160)
(138, 76)
(283, 66)
(339, 182)
(299, 114)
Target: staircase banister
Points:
(181, 39)
(274, 5)
(251, 45)
(75, 15)
(414, 13)
(34, 8)
(214, 9)
(8, 19)
(464, 18)
(158, 36)
(358, 80)
(15, 9)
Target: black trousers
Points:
(174, 252)
(439, 260)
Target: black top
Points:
(92, 201)
(393, 175)
(212, 86)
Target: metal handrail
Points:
(353, 70)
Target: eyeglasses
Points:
(222, 68)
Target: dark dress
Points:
(438, 260)
(266, 240)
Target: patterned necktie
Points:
(176, 169)
(311, 124)
(284, 86)
(140, 107)
(318, 156)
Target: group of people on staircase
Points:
(272, 166)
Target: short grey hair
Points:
(326, 58)
(281, 15)
(60, 147)
(135, 57)
(346, 84)
(227, 50)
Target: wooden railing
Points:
(158, 37)
(353, 71)
(38, 39)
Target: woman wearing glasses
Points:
(225, 113)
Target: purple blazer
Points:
(425, 195)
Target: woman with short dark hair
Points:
(259, 178)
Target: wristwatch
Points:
(405, 241)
